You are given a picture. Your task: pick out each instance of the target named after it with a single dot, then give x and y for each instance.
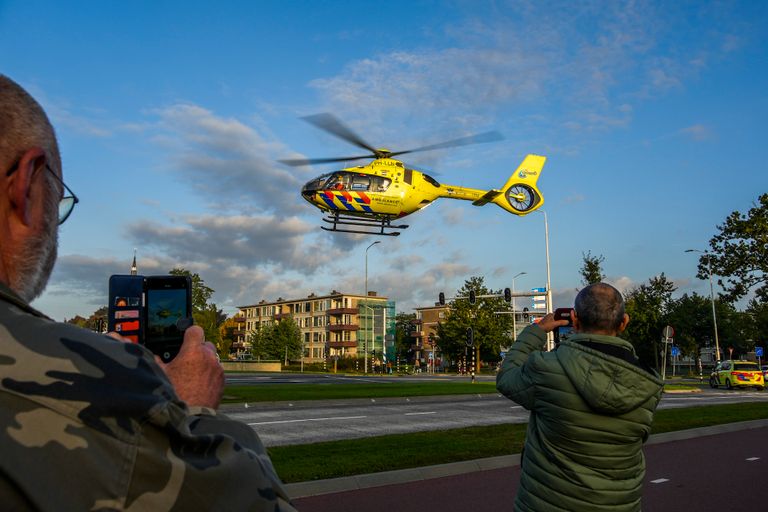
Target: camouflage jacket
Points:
(89, 423)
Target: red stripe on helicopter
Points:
(363, 198)
(346, 195)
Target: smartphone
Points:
(167, 314)
(563, 332)
(125, 308)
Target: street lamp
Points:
(514, 312)
(712, 297)
(550, 339)
(365, 340)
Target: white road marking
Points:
(751, 459)
(417, 413)
(660, 480)
(307, 419)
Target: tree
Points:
(739, 252)
(591, 269)
(647, 307)
(404, 326)
(271, 341)
(691, 317)
(227, 336)
(201, 293)
(204, 313)
(78, 321)
(490, 330)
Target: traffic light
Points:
(470, 337)
(525, 313)
(507, 295)
(472, 297)
(441, 299)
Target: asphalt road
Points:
(714, 472)
(303, 422)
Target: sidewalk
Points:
(490, 484)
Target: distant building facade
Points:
(333, 325)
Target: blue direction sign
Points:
(675, 351)
(759, 351)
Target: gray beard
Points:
(33, 263)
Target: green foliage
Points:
(648, 307)
(691, 317)
(404, 326)
(227, 336)
(210, 318)
(271, 341)
(739, 252)
(490, 330)
(201, 293)
(591, 269)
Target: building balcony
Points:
(343, 311)
(342, 344)
(342, 327)
(417, 334)
(238, 345)
(239, 319)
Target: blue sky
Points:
(171, 116)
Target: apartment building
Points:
(334, 325)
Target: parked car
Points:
(737, 374)
(765, 372)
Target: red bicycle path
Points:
(705, 471)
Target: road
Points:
(713, 472)
(303, 422)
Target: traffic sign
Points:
(675, 351)
(759, 351)
(669, 332)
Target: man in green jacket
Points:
(592, 405)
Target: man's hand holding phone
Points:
(196, 373)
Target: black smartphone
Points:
(168, 313)
(126, 305)
(564, 331)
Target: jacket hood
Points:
(609, 385)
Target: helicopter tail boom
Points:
(519, 195)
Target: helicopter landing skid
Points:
(380, 224)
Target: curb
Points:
(402, 476)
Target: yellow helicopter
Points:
(374, 195)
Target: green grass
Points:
(294, 392)
(681, 387)
(333, 459)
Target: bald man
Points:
(592, 404)
(90, 423)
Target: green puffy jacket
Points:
(591, 412)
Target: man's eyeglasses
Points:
(66, 203)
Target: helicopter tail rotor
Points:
(519, 195)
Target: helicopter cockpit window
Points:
(335, 182)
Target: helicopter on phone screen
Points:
(369, 198)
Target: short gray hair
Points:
(599, 307)
(23, 125)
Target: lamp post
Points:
(365, 340)
(712, 297)
(514, 312)
(550, 339)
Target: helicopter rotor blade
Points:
(298, 162)
(330, 124)
(478, 138)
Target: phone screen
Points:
(168, 313)
(565, 331)
(125, 306)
